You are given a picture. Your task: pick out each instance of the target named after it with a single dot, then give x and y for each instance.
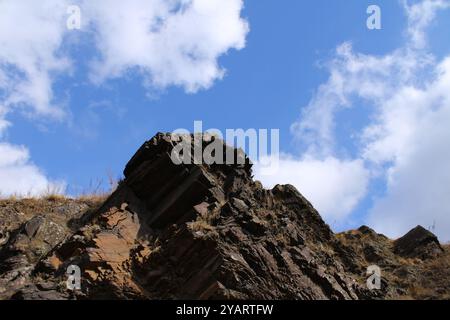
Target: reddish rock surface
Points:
(188, 231)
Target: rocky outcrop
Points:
(29, 230)
(415, 266)
(202, 232)
(190, 231)
(418, 243)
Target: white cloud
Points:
(332, 185)
(31, 33)
(175, 42)
(354, 75)
(420, 15)
(406, 140)
(30, 37)
(18, 176)
(414, 133)
(169, 42)
(3, 123)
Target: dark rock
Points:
(203, 232)
(32, 292)
(193, 231)
(4, 236)
(239, 204)
(366, 230)
(32, 226)
(27, 239)
(418, 243)
(415, 266)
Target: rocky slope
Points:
(202, 232)
(416, 266)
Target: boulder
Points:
(418, 243)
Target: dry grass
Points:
(85, 197)
(413, 277)
(200, 225)
(420, 293)
(94, 193)
(93, 197)
(432, 278)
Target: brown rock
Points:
(418, 243)
(196, 232)
(184, 231)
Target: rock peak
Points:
(418, 243)
(194, 231)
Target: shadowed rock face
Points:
(187, 231)
(418, 243)
(415, 266)
(202, 232)
(29, 230)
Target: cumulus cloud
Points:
(30, 38)
(175, 42)
(167, 42)
(405, 143)
(19, 176)
(333, 185)
(413, 133)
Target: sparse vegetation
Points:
(200, 225)
(94, 192)
(408, 278)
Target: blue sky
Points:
(274, 72)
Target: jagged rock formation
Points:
(29, 229)
(418, 243)
(192, 231)
(415, 266)
(198, 232)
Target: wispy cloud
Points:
(406, 141)
(420, 15)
